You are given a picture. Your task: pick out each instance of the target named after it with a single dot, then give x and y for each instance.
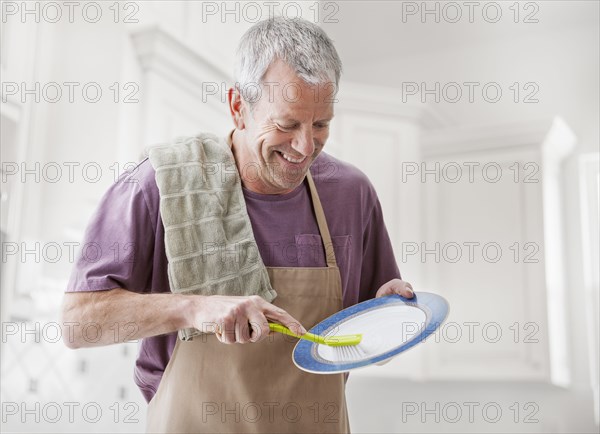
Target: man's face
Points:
(283, 133)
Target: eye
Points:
(286, 127)
(321, 125)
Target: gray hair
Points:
(303, 45)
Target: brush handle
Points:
(286, 331)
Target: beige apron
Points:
(211, 387)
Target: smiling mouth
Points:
(291, 159)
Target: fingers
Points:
(258, 328)
(406, 290)
(241, 331)
(282, 317)
(245, 320)
(396, 286)
(219, 333)
(226, 330)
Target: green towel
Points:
(209, 241)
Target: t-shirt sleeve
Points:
(379, 263)
(117, 249)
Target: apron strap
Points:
(322, 222)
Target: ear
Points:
(236, 107)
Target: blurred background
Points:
(477, 122)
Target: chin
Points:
(288, 183)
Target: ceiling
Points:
(368, 31)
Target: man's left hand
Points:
(396, 286)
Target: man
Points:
(319, 229)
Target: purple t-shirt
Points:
(125, 242)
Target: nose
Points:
(304, 142)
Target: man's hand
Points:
(235, 319)
(396, 286)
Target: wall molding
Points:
(163, 53)
(552, 133)
(384, 101)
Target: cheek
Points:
(266, 144)
(322, 136)
(273, 139)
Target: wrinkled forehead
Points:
(295, 104)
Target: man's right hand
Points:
(96, 318)
(237, 319)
